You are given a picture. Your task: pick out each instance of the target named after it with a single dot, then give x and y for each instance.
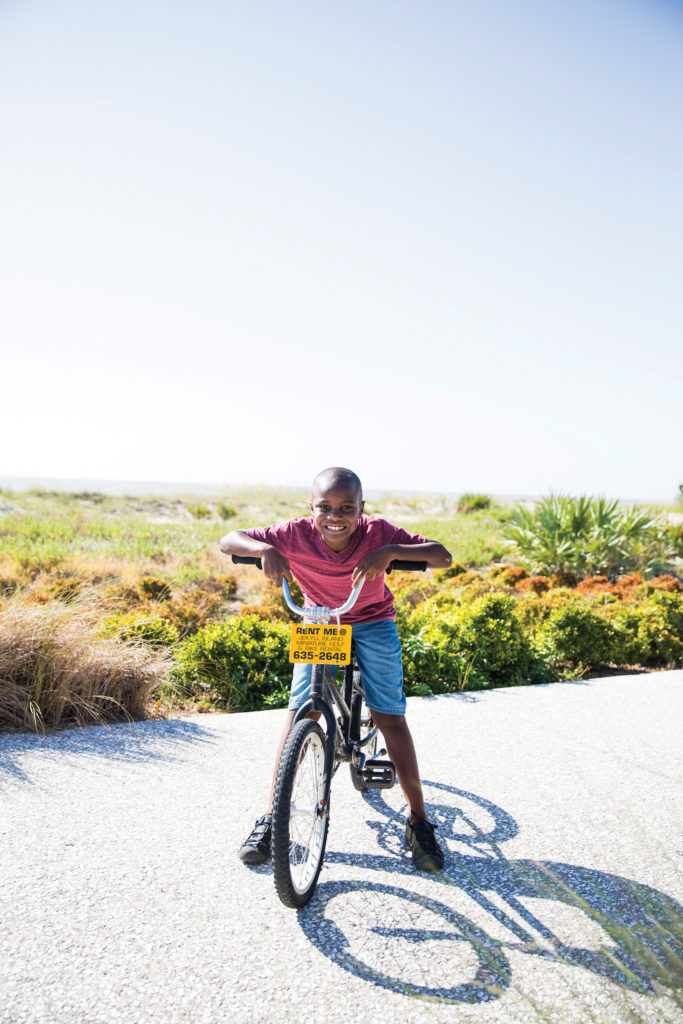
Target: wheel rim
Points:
(307, 819)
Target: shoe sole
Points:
(253, 857)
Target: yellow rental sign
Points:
(327, 645)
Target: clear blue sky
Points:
(440, 242)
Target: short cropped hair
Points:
(336, 476)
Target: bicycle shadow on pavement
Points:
(23, 755)
(448, 936)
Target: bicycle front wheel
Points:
(300, 817)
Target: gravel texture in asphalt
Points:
(559, 808)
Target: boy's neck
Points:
(342, 547)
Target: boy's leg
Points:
(256, 847)
(427, 854)
(401, 750)
(378, 651)
(283, 739)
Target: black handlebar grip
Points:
(409, 566)
(247, 560)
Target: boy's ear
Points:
(362, 506)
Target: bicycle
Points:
(311, 755)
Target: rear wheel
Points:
(300, 817)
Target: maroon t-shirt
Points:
(324, 575)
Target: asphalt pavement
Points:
(559, 807)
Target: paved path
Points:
(560, 806)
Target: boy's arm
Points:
(275, 565)
(434, 554)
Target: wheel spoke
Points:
(300, 819)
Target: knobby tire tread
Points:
(282, 798)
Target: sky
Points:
(438, 242)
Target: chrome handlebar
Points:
(320, 614)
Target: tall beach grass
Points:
(56, 668)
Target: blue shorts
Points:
(378, 653)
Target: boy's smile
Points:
(336, 511)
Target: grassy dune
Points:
(97, 592)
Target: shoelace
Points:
(424, 830)
(259, 832)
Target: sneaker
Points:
(256, 847)
(427, 854)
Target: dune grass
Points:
(57, 668)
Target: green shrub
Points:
(534, 609)
(455, 569)
(154, 588)
(578, 636)
(491, 634)
(508, 575)
(659, 636)
(154, 630)
(242, 660)
(634, 641)
(192, 609)
(226, 511)
(476, 588)
(199, 511)
(473, 502)
(464, 579)
(468, 646)
(432, 664)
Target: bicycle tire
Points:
(300, 822)
(355, 728)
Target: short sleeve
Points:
(397, 535)
(278, 536)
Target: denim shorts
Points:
(378, 653)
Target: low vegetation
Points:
(56, 668)
(588, 536)
(116, 607)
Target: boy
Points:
(329, 553)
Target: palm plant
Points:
(586, 536)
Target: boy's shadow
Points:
(618, 929)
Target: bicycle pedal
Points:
(378, 774)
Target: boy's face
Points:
(336, 511)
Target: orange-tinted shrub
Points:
(533, 584)
(630, 582)
(597, 585)
(666, 582)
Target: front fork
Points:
(316, 703)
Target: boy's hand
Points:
(275, 566)
(372, 566)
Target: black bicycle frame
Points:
(335, 738)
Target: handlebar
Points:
(247, 560)
(316, 614)
(398, 563)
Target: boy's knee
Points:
(390, 723)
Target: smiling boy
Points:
(329, 552)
